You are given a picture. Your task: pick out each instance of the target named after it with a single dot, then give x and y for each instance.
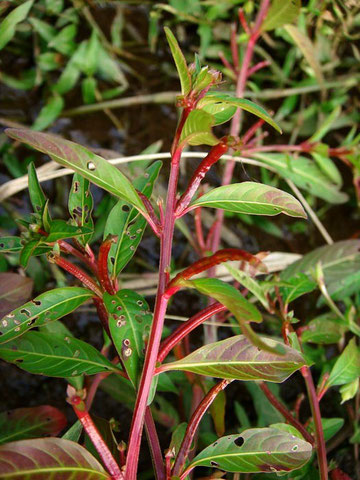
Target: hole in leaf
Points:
(90, 166)
(36, 302)
(2, 245)
(25, 312)
(294, 448)
(214, 464)
(125, 208)
(239, 441)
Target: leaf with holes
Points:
(8, 24)
(251, 198)
(10, 244)
(242, 309)
(198, 129)
(54, 355)
(305, 174)
(59, 229)
(80, 206)
(347, 366)
(83, 161)
(45, 308)
(280, 13)
(340, 264)
(180, 62)
(124, 223)
(51, 458)
(129, 322)
(237, 358)
(255, 450)
(30, 422)
(15, 289)
(242, 103)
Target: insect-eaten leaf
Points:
(80, 206)
(129, 322)
(45, 308)
(256, 450)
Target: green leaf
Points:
(325, 125)
(241, 308)
(49, 113)
(10, 244)
(129, 322)
(88, 89)
(328, 168)
(71, 73)
(80, 206)
(197, 129)
(322, 330)
(45, 308)
(305, 174)
(74, 432)
(280, 13)
(177, 437)
(46, 31)
(54, 355)
(59, 229)
(237, 358)
(251, 284)
(8, 25)
(256, 450)
(30, 422)
(51, 458)
(296, 286)
(347, 366)
(124, 223)
(180, 62)
(30, 249)
(221, 112)
(83, 161)
(202, 80)
(252, 198)
(37, 196)
(228, 100)
(330, 427)
(89, 62)
(307, 49)
(349, 390)
(340, 264)
(63, 42)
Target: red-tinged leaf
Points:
(32, 422)
(256, 450)
(49, 459)
(14, 291)
(237, 358)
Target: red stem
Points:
(199, 230)
(102, 314)
(152, 218)
(226, 63)
(159, 312)
(243, 21)
(169, 343)
(319, 433)
(234, 48)
(212, 157)
(104, 278)
(67, 248)
(285, 413)
(94, 434)
(77, 272)
(252, 130)
(258, 66)
(193, 426)
(155, 449)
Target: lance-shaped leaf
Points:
(129, 322)
(305, 174)
(54, 355)
(340, 264)
(180, 62)
(256, 450)
(251, 198)
(30, 422)
(280, 13)
(347, 366)
(10, 244)
(15, 289)
(237, 358)
(197, 129)
(50, 458)
(228, 100)
(80, 206)
(221, 112)
(59, 229)
(83, 161)
(242, 309)
(45, 308)
(33, 248)
(8, 25)
(124, 223)
(37, 196)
